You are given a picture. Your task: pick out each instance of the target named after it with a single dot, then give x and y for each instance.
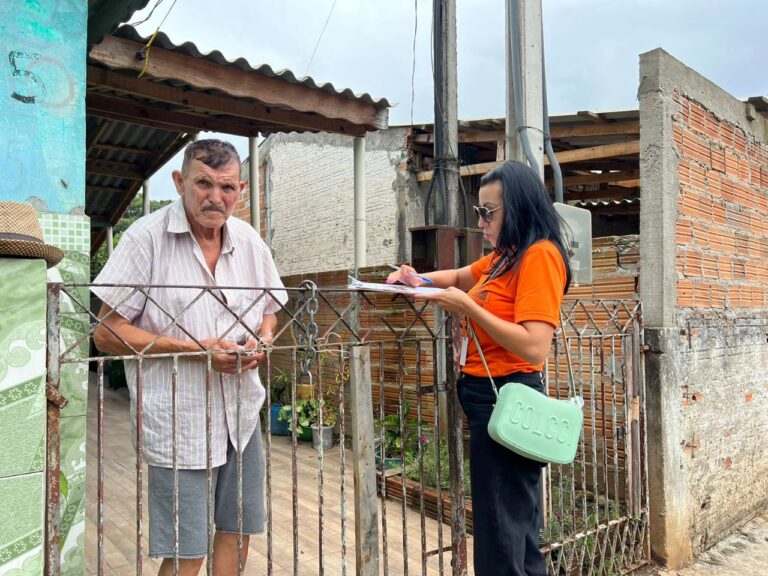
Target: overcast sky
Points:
(592, 48)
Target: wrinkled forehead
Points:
(228, 171)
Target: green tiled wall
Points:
(21, 541)
(72, 234)
(22, 413)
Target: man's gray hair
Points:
(211, 152)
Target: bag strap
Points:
(571, 384)
(482, 356)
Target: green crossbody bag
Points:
(532, 424)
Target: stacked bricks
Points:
(722, 226)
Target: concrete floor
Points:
(744, 553)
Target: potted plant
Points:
(322, 432)
(394, 438)
(306, 415)
(280, 395)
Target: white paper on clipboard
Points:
(355, 284)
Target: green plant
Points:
(430, 461)
(396, 437)
(307, 414)
(280, 387)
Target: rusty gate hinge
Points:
(55, 397)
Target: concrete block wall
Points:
(308, 184)
(704, 285)
(721, 235)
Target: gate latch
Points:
(55, 397)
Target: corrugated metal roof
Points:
(605, 203)
(191, 49)
(105, 15)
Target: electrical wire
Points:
(328, 19)
(152, 39)
(134, 24)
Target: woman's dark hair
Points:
(529, 216)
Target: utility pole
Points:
(446, 146)
(525, 116)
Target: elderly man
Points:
(195, 242)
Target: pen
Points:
(419, 276)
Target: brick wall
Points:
(721, 235)
(722, 228)
(242, 208)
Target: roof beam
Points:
(128, 149)
(592, 116)
(120, 53)
(123, 110)
(114, 169)
(624, 128)
(564, 157)
(604, 178)
(287, 119)
(105, 189)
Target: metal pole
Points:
(145, 188)
(359, 186)
(524, 65)
(253, 182)
(446, 146)
(512, 148)
(110, 242)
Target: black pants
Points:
(505, 488)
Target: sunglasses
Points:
(485, 214)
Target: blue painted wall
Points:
(42, 103)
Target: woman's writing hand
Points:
(406, 275)
(451, 299)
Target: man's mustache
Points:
(213, 208)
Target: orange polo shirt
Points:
(531, 291)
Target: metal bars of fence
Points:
(597, 507)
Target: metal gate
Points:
(389, 495)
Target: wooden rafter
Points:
(127, 149)
(624, 128)
(214, 104)
(120, 53)
(580, 154)
(133, 112)
(592, 116)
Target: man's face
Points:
(209, 194)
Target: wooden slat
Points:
(623, 128)
(565, 157)
(120, 53)
(211, 103)
(593, 116)
(124, 110)
(366, 503)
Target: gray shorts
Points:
(193, 502)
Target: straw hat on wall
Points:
(21, 235)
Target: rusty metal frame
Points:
(606, 335)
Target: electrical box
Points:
(578, 236)
(441, 247)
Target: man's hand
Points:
(227, 363)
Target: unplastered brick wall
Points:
(310, 183)
(242, 208)
(721, 235)
(722, 227)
